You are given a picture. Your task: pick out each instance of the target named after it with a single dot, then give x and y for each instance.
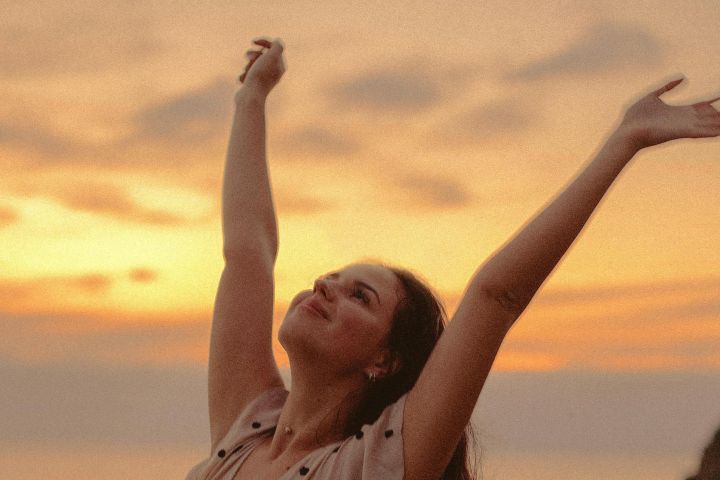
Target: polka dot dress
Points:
(373, 452)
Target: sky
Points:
(421, 136)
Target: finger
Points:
(667, 87)
(277, 47)
(263, 42)
(705, 110)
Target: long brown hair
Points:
(418, 321)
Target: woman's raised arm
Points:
(248, 214)
(241, 363)
(450, 383)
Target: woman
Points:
(380, 388)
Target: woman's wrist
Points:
(249, 96)
(628, 138)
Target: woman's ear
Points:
(390, 363)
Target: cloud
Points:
(414, 84)
(607, 47)
(142, 275)
(291, 203)
(609, 293)
(40, 290)
(178, 126)
(314, 141)
(496, 120)
(65, 41)
(647, 327)
(387, 89)
(112, 201)
(104, 339)
(31, 135)
(8, 216)
(193, 117)
(430, 191)
(89, 283)
(652, 326)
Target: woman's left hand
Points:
(650, 121)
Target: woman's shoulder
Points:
(258, 418)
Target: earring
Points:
(371, 377)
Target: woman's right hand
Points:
(264, 68)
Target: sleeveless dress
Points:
(375, 452)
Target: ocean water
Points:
(151, 463)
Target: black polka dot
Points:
(388, 433)
(221, 453)
(359, 435)
(256, 425)
(304, 471)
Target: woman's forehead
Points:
(368, 271)
(376, 275)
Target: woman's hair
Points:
(418, 321)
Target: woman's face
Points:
(359, 302)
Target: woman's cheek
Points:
(354, 335)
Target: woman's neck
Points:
(315, 413)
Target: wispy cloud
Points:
(417, 190)
(316, 141)
(635, 327)
(143, 275)
(496, 120)
(104, 198)
(197, 115)
(291, 203)
(191, 121)
(31, 135)
(8, 216)
(387, 90)
(38, 290)
(413, 84)
(605, 48)
(53, 40)
(102, 338)
(113, 201)
(643, 326)
(45, 292)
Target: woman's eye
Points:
(362, 295)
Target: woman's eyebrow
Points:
(336, 274)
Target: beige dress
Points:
(374, 453)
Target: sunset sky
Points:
(422, 135)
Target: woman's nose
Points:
(322, 284)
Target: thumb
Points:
(667, 87)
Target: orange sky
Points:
(421, 136)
